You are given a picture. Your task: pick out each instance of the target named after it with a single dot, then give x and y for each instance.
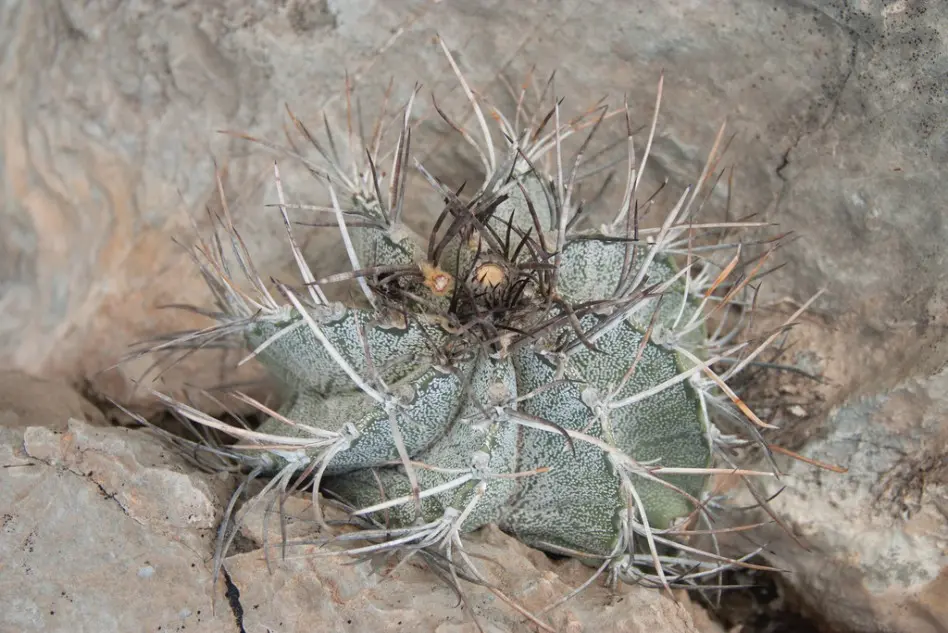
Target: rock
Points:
(148, 481)
(884, 120)
(841, 124)
(878, 534)
(26, 400)
(702, 620)
(798, 411)
(94, 538)
(313, 593)
(103, 529)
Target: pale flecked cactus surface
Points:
(511, 367)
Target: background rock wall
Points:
(109, 112)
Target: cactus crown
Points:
(511, 368)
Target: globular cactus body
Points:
(509, 368)
(455, 409)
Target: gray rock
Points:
(878, 534)
(862, 181)
(102, 529)
(149, 482)
(312, 592)
(26, 400)
(95, 540)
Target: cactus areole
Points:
(514, 366)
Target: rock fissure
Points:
(233, 599)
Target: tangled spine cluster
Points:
(511, 367)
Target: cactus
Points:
(510, 367)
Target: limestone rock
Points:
(26, 400)
(103, 529)
(85, 542)
(878, 534)
(312, 592)
(111, 112)
(150, 482)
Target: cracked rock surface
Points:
(104, 531)
(95, 537)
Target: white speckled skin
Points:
(449, 416)
(561, 394)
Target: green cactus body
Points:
(453, 423)
(299, 360)
(393, 246)
(506, 369)
(479, 445)
(576, 504)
